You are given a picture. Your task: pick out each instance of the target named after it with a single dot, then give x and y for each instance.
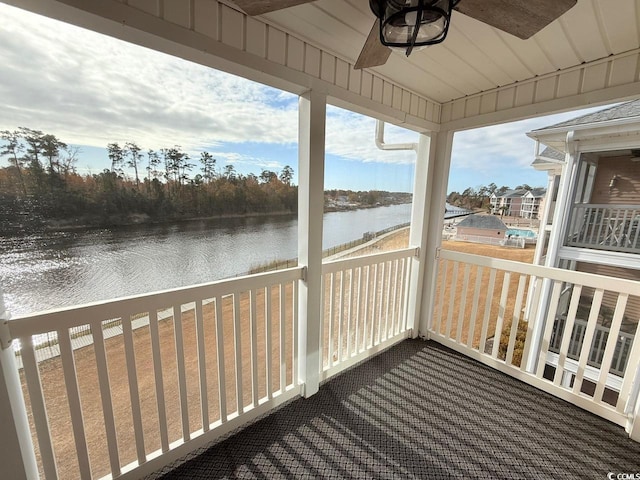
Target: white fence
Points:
(480, 311)
(501, 242)
(124, 406)
(365, 307)
(123, 387)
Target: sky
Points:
(90, 90)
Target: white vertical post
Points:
(419, 217)
(311, 141)
(556, 240)
(17, 457)
(437, 179)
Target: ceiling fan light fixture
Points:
(407, 24)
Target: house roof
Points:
(551, 153)
(486, 222)
(538, 192)
(617, 112)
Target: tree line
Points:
(478, 198)
(41, 185)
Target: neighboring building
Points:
(518, 203)
(594, 206)
(486, 226)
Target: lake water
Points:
(60, 269)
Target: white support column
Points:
(417, 237)
(17, 457)
(437, 178)
(311, 133)
(556, 240)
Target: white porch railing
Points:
(191, 364)
(121, 388)
(365, 307)
(480, 311)
(605, 227)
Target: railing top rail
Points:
(67, 317)
(355, 262)
(587, 279)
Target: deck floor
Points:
(420, 410)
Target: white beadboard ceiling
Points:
(474, 57)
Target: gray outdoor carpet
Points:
(420, 410)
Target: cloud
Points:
(91, 89)
(233, 158)
(352, 136)
(488, 149)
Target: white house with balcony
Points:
(593, 223)
(295, 329)
(518, 203)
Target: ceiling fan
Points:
(407, 24)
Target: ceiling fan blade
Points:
(522, 18)
(373, 53)
(258, 7)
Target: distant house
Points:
(518, 203)
(486, 226)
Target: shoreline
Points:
(53, 226)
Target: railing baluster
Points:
(463, 302)
(75, 406)
(402, 265)
(452, 298)
(444, 267)
(387, 301)
(202, 366)
(283, 340)
(356, 344)
(607, 358)
(397, 283)
(268, 341)
(381, 301)
(474, 307)
(373, 304)
(340, 316)
(487, 310)
(567, 334)
(182, 372)
(237, 335)
(365, 316)
(517, 308)
(549, 326)
(38, 407)
(253, 328)
(588, 338)
(159, 382)
(502, 307)
(222, 384)
(633, 360)
(349, 311)
(134, 394)
(330, 322)
(105, 397)
(294, 329)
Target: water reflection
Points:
(69, 268)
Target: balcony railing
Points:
(489, 309)
(596, 353)
(605, 227)
(120, 388)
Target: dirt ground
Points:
(256, 367)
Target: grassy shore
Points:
(281, 367)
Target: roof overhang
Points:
(479, 76)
